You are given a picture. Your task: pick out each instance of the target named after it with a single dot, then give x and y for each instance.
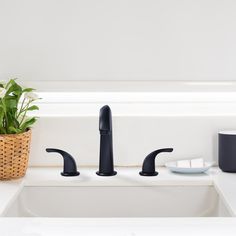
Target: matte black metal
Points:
(69, 168)
(148, 168)
(227, 152)
(106, 166)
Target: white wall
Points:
(118, 39)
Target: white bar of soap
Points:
(183, 164)
(197, 163)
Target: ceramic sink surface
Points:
(45, 193)
(126, 201)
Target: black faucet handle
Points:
(148, 168)
(69, 168)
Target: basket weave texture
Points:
(14, 155)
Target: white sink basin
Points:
(107, 201)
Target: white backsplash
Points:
(133, 136)
(142, 122)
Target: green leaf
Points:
(27, 124)
(10, 102)
(12, 86)
(32, 108)
(3, 130)
(13, 130)
(1, 117)
(27, 90)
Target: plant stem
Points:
(21, 108)
(26, 107)
(5, 114)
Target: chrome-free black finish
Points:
(148, 168)
(106, 166)
(227, 152)
(69, 168)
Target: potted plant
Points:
(15, 128)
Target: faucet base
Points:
(70, 174)
(148, 174)
(106, 174)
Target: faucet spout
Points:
(106, 166)
(105, 120)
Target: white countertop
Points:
(224, 183)
(117, 227)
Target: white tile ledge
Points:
(136, 103)
(135, 97)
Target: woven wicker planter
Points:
(14, 155)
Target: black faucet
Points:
(106, 166)
(148, 168)
(69, 168)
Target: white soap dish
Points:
(194, 166)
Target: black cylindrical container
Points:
(227, 151)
